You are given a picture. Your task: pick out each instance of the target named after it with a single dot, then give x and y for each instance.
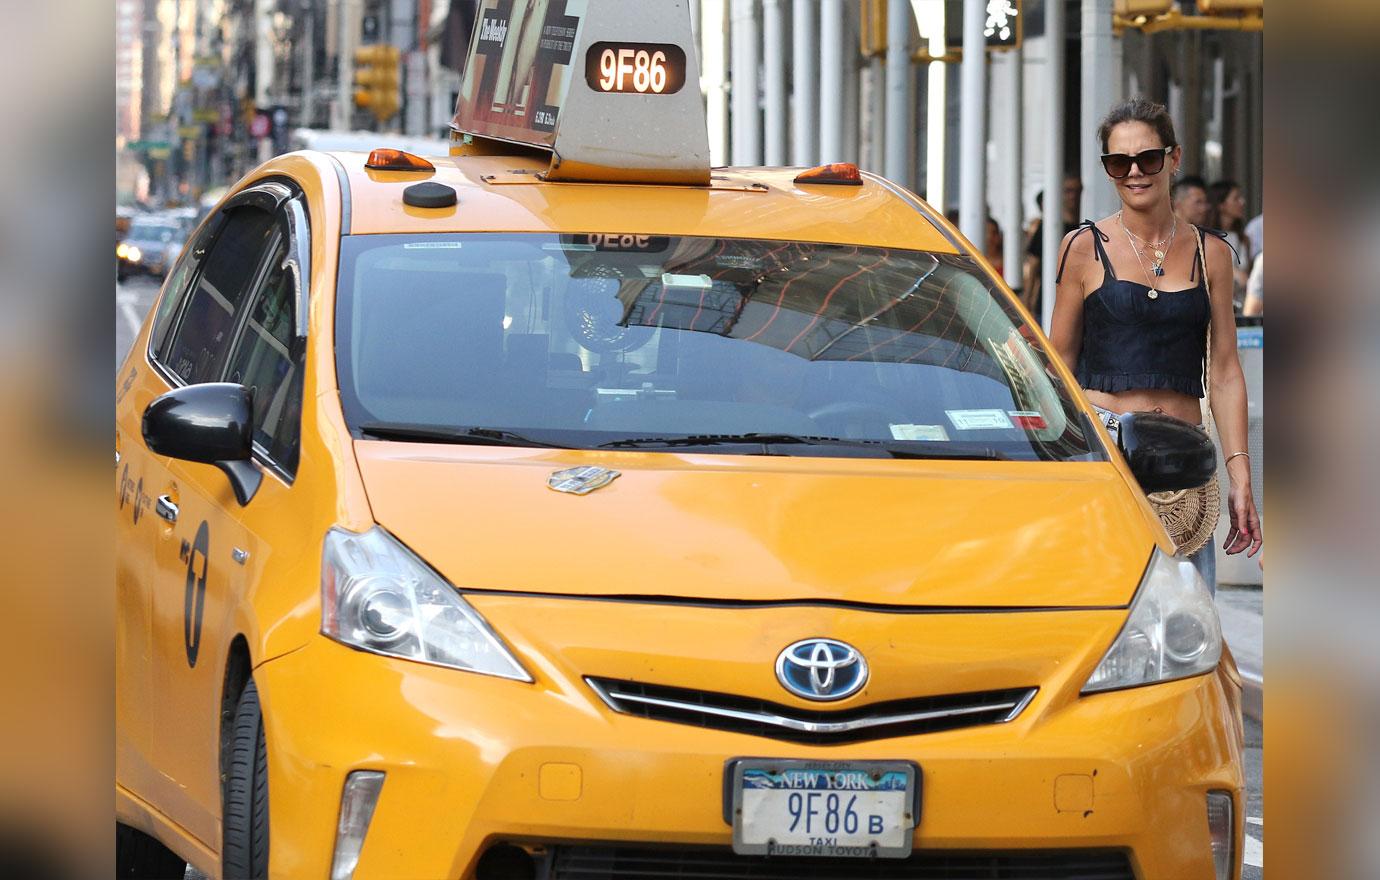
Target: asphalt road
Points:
(134, 298)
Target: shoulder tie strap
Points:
(1098, 238)
(1215, 233)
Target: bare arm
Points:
(1066, 324)
(1228, 386)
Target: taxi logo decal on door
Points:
(133, 493)
(195, 604)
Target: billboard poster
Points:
(518, 69)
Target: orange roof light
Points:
(397, 160)
(839, 173)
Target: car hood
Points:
(962, 534)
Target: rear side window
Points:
(176, 290)
(203, 332)
(268, 358)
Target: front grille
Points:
(719, 863)
(775, 721)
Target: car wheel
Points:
(245, 836)
(122, 277)
(141, 857)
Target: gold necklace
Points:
(1156, 269)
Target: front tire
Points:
(245, 837)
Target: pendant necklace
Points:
(1160, 249)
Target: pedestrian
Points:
(1143, 312)
(1071, 197)
(1255, 236)
(1254, 306)
(1228, 214)
(992, 248)
(1190, 200)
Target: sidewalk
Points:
(1242, 610)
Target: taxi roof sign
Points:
(609, 87)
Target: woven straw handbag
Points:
(1190, 515)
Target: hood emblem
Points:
(581, 480)
(821, 669)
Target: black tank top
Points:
(1131, 341)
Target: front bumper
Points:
(472, 761)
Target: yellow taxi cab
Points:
(565, 508)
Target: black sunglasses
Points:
(1118, 165)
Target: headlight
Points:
(121, 250)
(133, 254)
(377, 596)
(1172, 630)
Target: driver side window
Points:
(268, 357)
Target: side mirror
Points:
(1166, 454)
(211, 423)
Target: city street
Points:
(134, 299)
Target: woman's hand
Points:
(1244, 533)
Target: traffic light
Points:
(1212, 7)
(376, 80)
(1147, 8)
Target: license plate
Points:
(824, 808)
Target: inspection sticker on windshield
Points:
(978, 419)
(695, 282)
(1027, 419)
(919, 432)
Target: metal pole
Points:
(1216, 129)
(747, 120)
(938, 112)
(873, 126)
(1013, 228)
(805, 83)
(972, 205)
(1052, 223)
(898, 94)
(774, 81)
(1101, 89)
(831, 80)
(713, 24)
(308, 115)
(345, 67)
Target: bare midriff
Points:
(1180, 406)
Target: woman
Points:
(1227, 212)
(1131, 310)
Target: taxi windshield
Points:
(144, 231)
(686, 343)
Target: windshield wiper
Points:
(936, 450)
(442, 434)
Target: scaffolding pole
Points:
(972, 206)
(898, 92)
(831, 77)
(805, 83)
(1052, 222)
(774, 81)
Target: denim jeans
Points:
(1205, 560)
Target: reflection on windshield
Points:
(588, 339)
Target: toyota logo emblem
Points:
(821, 669)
